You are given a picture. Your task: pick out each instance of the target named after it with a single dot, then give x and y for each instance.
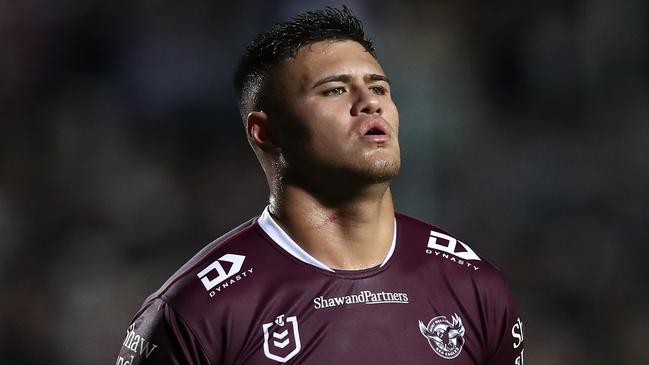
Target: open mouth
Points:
(375, 132)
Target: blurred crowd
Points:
(524, 131)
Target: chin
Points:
(381, 171)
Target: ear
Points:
(258, 130)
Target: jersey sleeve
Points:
(506, 327)
(157, 335)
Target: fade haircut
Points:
(270, 49)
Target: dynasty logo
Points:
(224, 278)
(447, 247)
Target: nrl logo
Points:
(285, 341)
(444, 337)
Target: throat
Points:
(342, 238)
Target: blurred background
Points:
(524, 130)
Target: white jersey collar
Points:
(277, 234)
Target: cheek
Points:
(392, 116)
(314, 129)
(327, 119)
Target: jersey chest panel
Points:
(378, 319)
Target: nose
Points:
(366, 102)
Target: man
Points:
(328, 274)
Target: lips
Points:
(374, 130)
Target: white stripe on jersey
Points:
(283, 240)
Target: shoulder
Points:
(452, 264)
(444, 250)
(194, 303)
(198, 279)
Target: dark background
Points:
(524, 130)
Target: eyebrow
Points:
(346, 78)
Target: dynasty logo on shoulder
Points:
(224, 277)
(451, 249)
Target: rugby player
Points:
(328, 273)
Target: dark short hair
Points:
(270, 49)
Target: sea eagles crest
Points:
(446, 338)
(281, 338)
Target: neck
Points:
(350, 234)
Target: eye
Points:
(378, 90)
(334, 91)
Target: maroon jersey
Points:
(254, 297)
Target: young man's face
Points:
(337, 114)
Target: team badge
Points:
(446, 338)
(281, 338)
